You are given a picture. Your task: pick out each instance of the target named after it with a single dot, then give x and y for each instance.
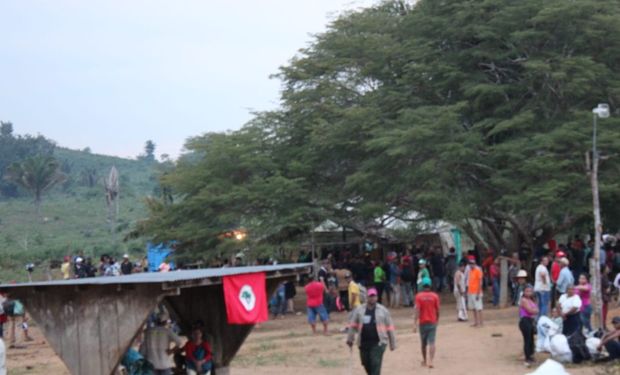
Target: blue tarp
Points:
(156, 254)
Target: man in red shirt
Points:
(426, 315)
(314, 302)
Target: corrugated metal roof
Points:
(164, 277)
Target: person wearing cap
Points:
(565, 278)
(156, 347)
(80, 269)
(474, 290)
(373, 325)
(426, 316)
(423, 273)
(611, 340)
(542, 286)
(460, 291)
(126, 266)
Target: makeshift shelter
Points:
(90, 323)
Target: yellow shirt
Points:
(354, 289)
(65, 269)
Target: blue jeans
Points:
(407, 293)
(586, 314)
(543, 302)
(320, 311)
(495, 291)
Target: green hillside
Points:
(74, 215)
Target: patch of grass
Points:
(330, 363)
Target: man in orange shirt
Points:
(426, 315)
(474, 290)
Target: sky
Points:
(110, 74)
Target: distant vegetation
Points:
(73, 214)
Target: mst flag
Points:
(246, 298)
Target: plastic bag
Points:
(560, 351)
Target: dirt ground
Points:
(286, 346)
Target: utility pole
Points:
(602, 111)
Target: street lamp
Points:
(601, 111)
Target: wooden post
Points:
(503, 288)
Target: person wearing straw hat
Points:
(521, 283)
(426, 316)
(374, 327)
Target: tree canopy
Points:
(475, 112)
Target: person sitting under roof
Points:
(198, 354)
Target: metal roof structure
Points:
(90, 323)
(213, 275)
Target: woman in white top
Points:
(570, 304)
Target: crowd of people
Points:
(79, 266)
(556, 289)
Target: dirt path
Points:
(286, 346)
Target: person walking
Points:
(474, 290)
(373, 325)
(528, 310)
(426, 317)
(542, 286)
(584, 290)
(460, 291)
(314, 303)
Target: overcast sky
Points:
(111, 74)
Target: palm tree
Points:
(36, 174)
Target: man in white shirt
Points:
(570, 304)
(542, 286)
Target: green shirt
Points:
(379, 275)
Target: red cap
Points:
(471, 258)
(560, 254)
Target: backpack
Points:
(577, 344)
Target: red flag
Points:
(246, 298)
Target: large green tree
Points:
(37, 174)
(476, 112)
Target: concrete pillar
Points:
(503, 286)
